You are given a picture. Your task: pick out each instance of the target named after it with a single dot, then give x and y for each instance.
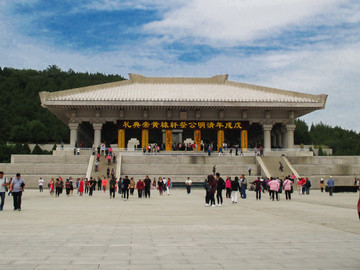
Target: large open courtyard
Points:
(178, 232)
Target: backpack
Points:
(206, 186)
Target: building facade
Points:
(170, 111)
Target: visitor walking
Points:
(220, 185)
(41, 184)
(331, 185)
(3, 189)
(168, 186)
(17, 187)
(140, 186)
(112, 185)
(257, 183)
(322, 185)
(161, 185)
(228, 187)
(287, 185)
(147, 183)
(234, 189)
(188, 184)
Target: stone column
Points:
(73, 133)
(290, 135)
(97, 133)
(267, 136)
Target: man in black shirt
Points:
(112, 187)
(126, 183)
(220, 186)
(147, 182)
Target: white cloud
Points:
(230, 23)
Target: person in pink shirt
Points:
(287, 187)
(228, 187)
(274, 189)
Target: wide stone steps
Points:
(272, 165)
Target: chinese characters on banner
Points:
(240, 125)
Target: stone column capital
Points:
(290, 127)
(73, 125)
(97, 125)
(267, 127)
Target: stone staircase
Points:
(270, 166)
(178, 168)
(343, 169)
(32, 167)
(103, 165)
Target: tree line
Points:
(23, 120)
(343, 142)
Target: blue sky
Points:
(295, 45)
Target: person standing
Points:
(67, 187)
(243, 186)
(214, 169)
(258, 185)
(81, 186)
(147, 183)
(161, 185)
(51, 186)
(234, 189)
(287, 187)
(104, 184)
(140, 186)
(331, 185)
(168, 186)
(219, 188)
(17, 187)
(41, 184)
(154, 184)
(274, 189)
(132, 186)
(57, 187)
(249, 170)
(228, 187)
(112, 185)
(213, 185)
(3, 188)
(92, 184)
(99, 182)
(126, 184)
(322, 185)
(281, 167)
(307, 186)
(188, 184)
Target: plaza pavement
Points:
(178, 232)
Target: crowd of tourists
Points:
(125, 186)
(214, 185)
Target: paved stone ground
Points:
(178, 232)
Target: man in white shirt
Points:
(3, 184)
(41, 184)
(188, 184)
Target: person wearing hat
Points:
(331, 185)
(3, 186)
(17, 186)
(322, 185)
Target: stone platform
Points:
(178, 232)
